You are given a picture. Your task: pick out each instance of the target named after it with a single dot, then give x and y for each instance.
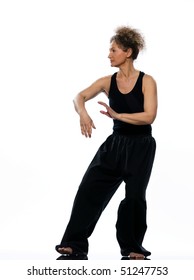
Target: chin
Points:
(113, 65)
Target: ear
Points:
(129, 53)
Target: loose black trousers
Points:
(119, 159)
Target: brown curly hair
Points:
(127, 37)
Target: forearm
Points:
(79, 104)
(142, 118)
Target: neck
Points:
(126, 71)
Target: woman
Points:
(126, 156)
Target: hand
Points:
(86, 125)
(109, 111)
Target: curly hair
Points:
(126, 37)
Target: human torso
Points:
(130, 100)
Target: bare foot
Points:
(136, 256)
(65, 250)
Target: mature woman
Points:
(126, 156)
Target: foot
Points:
(68, 254)
(65, 250)
(136, 256)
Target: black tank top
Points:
(132, 102)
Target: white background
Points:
(49, 51)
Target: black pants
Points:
(119, 159)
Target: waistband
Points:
(129, 135)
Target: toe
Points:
(136, 256)
(65, 250)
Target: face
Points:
(117, 56)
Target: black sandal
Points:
(73, 257)
(126, 258)
(70, 256)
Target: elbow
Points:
(74, 102)
(151, 119)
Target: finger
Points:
(89, 131)
(86, 130)
(93, 125)
(83, 130)
(103, 104)
(106, 114)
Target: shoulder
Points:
(148, 79)
(149, 85)
(104, 82)
(105, 79)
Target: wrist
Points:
(82, 112)
(118, 117)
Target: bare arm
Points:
(150, 106)
(86, 123)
